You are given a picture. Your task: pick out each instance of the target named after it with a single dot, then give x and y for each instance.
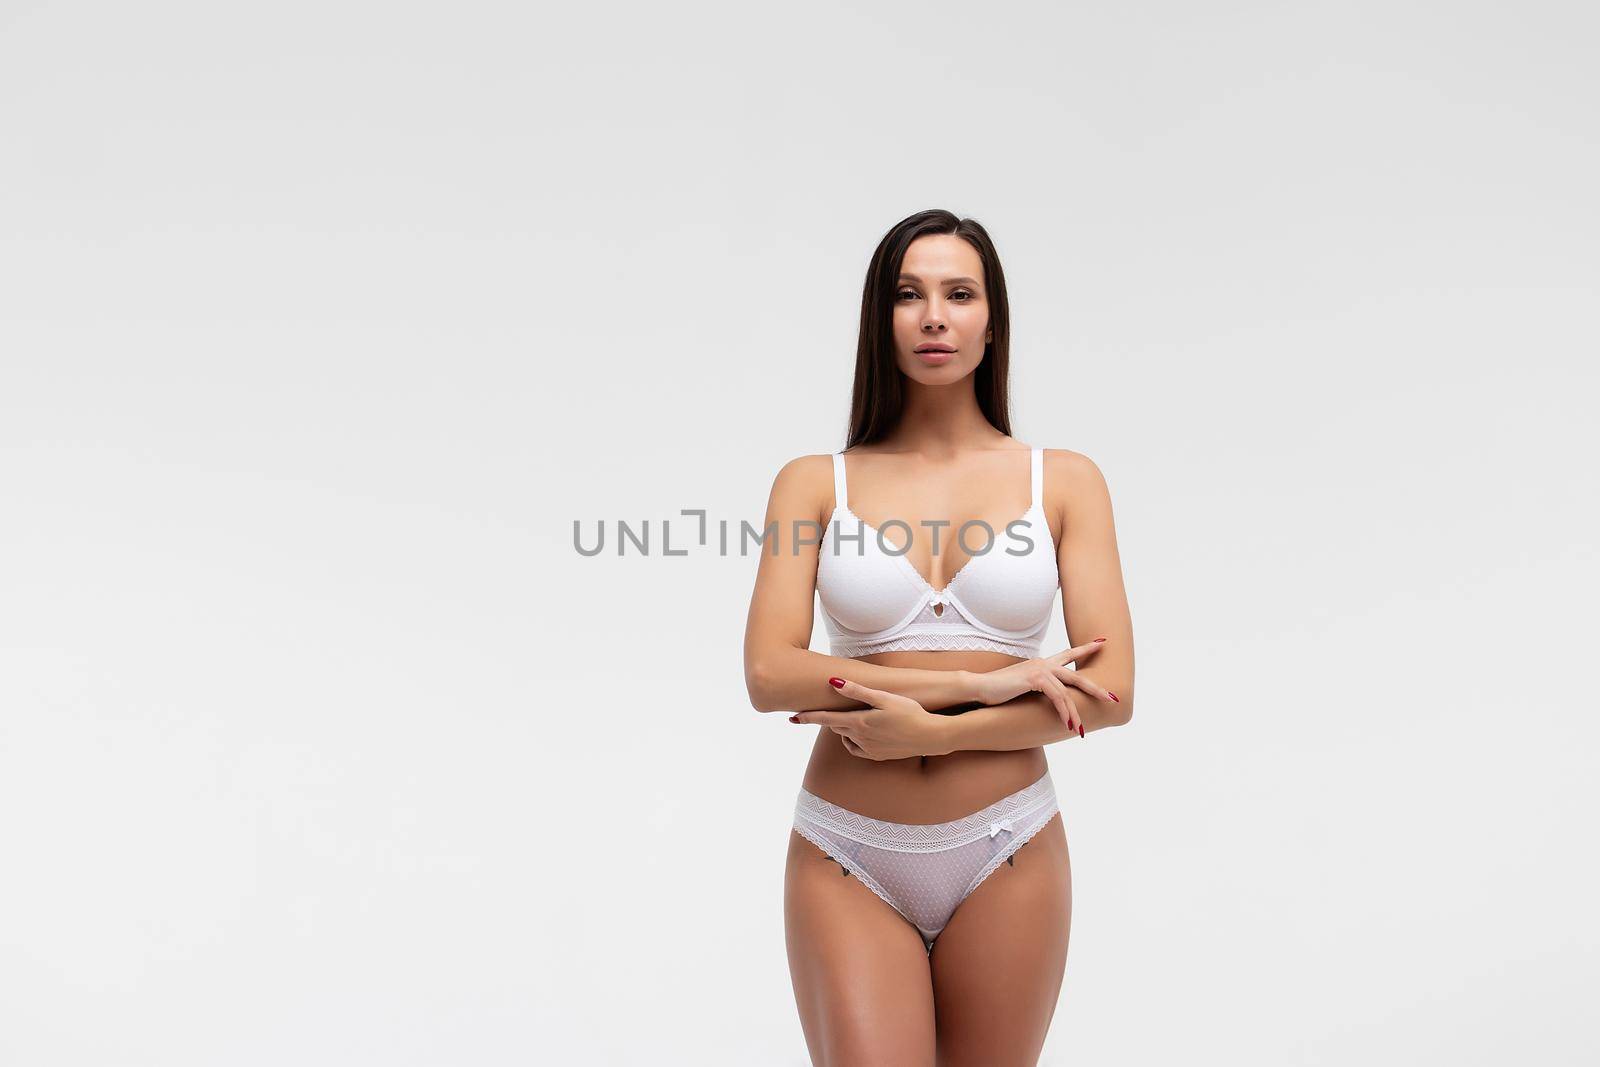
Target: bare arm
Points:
(1094, 602)
(781, 672)
(1028, 721)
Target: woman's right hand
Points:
(1049, 675)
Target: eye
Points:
(904, 292)
(961, 292)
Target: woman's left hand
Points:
(894, 727)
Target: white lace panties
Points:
(925, 870)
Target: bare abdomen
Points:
(925, 789)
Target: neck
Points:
(942, 421)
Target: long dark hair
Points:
(878, 397)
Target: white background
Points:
(321, 323)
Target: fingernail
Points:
(837, 683)
(1080, 731)
(794, 718)
(1113, 696)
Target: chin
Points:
(918, 371)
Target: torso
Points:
(925, 789)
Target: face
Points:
(941, 310)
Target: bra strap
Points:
(839, 497)
(1038, 477)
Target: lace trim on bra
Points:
(928, 632)
(932, 643)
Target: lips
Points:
(934, 348)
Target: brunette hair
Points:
(878, 396)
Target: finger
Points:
(853, 748)
(863, 693)
(1072, 654)
(844, 731)
(1088, 685)
(1068, 709)
(1073, 720)
(824, 718)
(1056, 693)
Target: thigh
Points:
(860, 970)
(998, 965)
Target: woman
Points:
(927, 897)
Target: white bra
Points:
(874, 600)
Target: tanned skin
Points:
(867, 989)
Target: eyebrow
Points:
(948, 281)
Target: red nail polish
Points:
(1080, 731)
(1113, 696)
(794, 718)
(837, 683)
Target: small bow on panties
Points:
(1003, 824)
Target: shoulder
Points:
(805, 470)
(1072, 479)
(805, 483)
(1070, 467)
